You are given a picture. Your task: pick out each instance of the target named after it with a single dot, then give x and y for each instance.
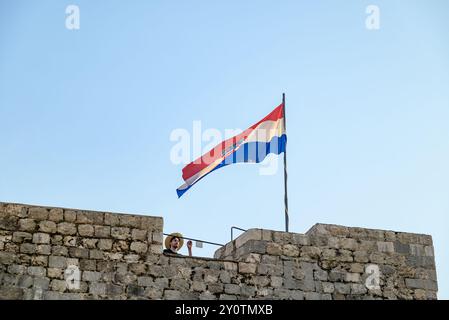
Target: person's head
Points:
(174, 241)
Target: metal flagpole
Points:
(285, 166)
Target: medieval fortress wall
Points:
(56, 253)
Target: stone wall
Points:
(43, 251)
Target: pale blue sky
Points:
(86, 115)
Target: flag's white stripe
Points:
(265, 131)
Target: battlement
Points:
(57, 253)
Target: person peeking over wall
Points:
(174, 242)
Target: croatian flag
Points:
(252, 145)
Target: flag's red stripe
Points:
(216, 152)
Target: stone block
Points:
(342, 288)
(139, 235)
(66, 228)
(290, 250)
(172, 295)
(47, 226)
(28, 248)
(251, 234)
(27, 225)
(320, 275)
(247, 268)
(57, 262)
(79, 252)
(358, 289)
(198, 286)
(102, 231)
(11, 293)
(274, 249)
(120, 233)
(387, 247)
(37, 271)
(421, 284)
(96, 288)
(104, 244)
(41, 238)
(41, 261)
(20, 237)
(89, 217)
(91, 276)
(38, 213)
(96, 254)
(145, 281)
(352, 277)
(56, 215)
(86, 230)
(139, 247)
(111, 219)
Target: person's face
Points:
(174, 243)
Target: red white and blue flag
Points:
(252, 145)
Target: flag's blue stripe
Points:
(253, 152)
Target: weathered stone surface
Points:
(47, 226)
(352, 277)
(21, 236)
(27, 248)
(138, 234)
(358, 288)
(57, 262)
(37, 271)
(86, 230)
(120, 233)
(383, 246)
(104, 244)
(421, 284)
(247, 267)
(251, 234)
(290, 250)
(102, 231)
(156, 237)
(79, 253)
(320, 275)
(172, 295)
(111, 219)
(97, 288)
(89, 217)
(41, 238)
(96, 254)
(66, 228)
(56, 214)
(38, 213)
(198, 286)
(274, 249)
(27, 225)
(91, 276)
(17, 269)
(342, 288)
(139, 247)
(119, 257)
(39, 261)
(11, 293)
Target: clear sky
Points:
(86, 115)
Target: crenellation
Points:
(57, 253)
